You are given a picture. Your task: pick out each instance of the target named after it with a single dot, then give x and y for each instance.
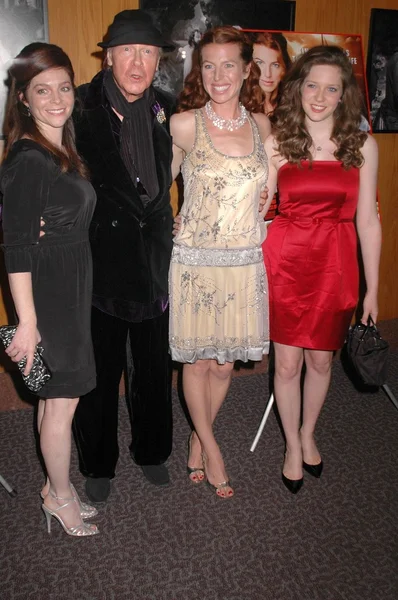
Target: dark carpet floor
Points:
(336, 540)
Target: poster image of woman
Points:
(271, 55)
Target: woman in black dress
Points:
(42, 177)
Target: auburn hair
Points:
(194, 95)
(291, 135)
(31, 61)
(277, 42)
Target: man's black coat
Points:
(131, 244)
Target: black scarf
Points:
(136, 144)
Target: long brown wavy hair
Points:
(31, 61)
(291, 135)
(195, 96)
(274, 41)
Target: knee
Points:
(199, 369)
(288, 370)
(320, 365)
(221, 371)
(61, 408)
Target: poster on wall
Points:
(184, 21)
(275, 51)
(21, 22)
(382, 70)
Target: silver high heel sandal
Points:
(86, 510)
(223, 490)
(83, 529)
(196, 474)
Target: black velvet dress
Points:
(60, 262)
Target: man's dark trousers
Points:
(148, 394)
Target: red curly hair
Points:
(275, 41)
(195, 96)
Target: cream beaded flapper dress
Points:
(217, 283)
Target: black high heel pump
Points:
(314, 470)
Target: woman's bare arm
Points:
(26, 336)
(368, 226)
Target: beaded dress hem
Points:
(221, 356)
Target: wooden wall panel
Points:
(77, 27)
(111, 7)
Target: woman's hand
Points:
(24, 344)
(370, 308)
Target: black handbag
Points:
(39, 373)
(368, 353)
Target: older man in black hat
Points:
(123, 135)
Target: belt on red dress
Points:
(292, 217)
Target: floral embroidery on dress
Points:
(200, 293)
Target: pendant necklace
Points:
(229, 124)
(317, 148)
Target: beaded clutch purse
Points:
(39, 373)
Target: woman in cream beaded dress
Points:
(218, 286)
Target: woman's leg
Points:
(219, 381)
(205, 387)
(195, 378)
(218, 389)
(40, 413)
(55, 442)
(316, 384)
(288, 365)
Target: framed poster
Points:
(184, 21)
(382, 70)
(21, 22)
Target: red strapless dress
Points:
(311, 255)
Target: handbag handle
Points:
(368, 325)
(365, 330)
(372, 322)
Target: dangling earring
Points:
(28, 113)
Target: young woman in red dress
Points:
(326, 170)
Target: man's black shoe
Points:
(156, 474)
(98, 488)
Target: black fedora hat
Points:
(134, 27)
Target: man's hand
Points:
(176, 224)
(263, 199)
